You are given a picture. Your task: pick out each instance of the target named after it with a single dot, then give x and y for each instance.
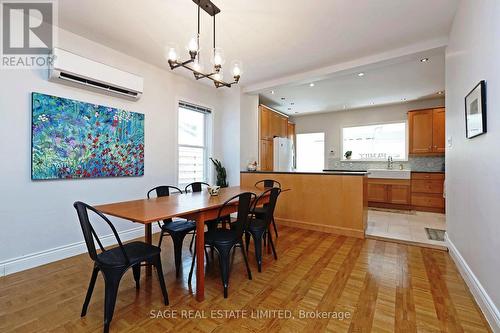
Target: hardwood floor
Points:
(357, 285)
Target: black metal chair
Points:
(113, 263)
(177, 229)
(259, 212)
(225, 240)
(195, 187)
(259, 227)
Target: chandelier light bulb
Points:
(237, 69)
(171, 53)
(193, 45)
(218, 57)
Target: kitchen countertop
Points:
(428, 171)
(341, 173)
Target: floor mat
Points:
(435, 234)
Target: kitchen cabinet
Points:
(427, 191)
(265, 123)
(427, 131)
(271, 124)
(438, 130)
(266, 155)
(399, 194)
(377, 193)
(389, 193)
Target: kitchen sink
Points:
(389, 173)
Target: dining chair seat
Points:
(221, 236)
(136, 252)
(179, 225)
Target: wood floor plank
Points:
(378, 286)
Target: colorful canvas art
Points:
(73, 139)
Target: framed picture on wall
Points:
(475, 111)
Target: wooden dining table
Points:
(198, 207)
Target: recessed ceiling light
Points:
(311, 84)
(361, 74)
(272, 92)
(424, 59)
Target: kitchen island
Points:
(334, 202)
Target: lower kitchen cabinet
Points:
(389, 193)
(427, 191)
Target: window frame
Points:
(208, 138)
(297, 149)
(407, 143)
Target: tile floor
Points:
(405, 226)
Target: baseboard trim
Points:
(484, 301)
(321, 227)
(36, 259)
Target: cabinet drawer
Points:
(427, 200)
(427, 175)
(427, 186)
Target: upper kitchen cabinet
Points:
(438, 130)
(272, 124)
(265, 123)
(427, 131)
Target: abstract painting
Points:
(73, 139)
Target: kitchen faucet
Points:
(389, 163)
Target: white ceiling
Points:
(273, 38)
(395, 81)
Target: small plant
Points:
(221, 173)
(348, 154)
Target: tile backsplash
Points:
(434, 163)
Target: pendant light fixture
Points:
(217, 58)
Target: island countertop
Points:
(335, 202)
(336, 172)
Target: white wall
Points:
(332, 122)
(249, 129)
(473, 185)
(227, 133)
(38, 216)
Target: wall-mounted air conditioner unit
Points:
(71, 68)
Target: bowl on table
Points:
(213, 190)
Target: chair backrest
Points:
(245, 202)
(164, 191)
(268, 183)
(89, 233)
(271, 205)
(195, 187)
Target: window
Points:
(375, 142)
(311, 152)
(192, 141)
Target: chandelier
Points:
(217, 59)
